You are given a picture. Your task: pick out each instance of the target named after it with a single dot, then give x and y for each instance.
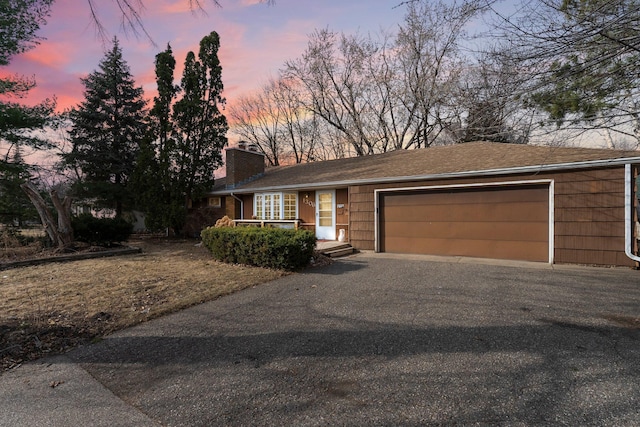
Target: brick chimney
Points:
(243, 163)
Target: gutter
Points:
(628, 214)
(241, 204)
(478, 173)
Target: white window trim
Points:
(281, 196)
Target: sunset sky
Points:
(256, 39)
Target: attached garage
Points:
(505, 221)
(563, 205)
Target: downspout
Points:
(241, 205)
(628, 214)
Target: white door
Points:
(326, 215)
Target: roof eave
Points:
(429, 177)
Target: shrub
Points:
(100, 231)
(262, 247)
(13, 237)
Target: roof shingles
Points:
(442, 160)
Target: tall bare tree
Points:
(488, 102)
(256, 118)
(583, 57)
(332, 71)
(388, 93)
(299, 127)
(429, 45)
(276, 120)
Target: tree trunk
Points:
(60, 233)
(63, 207)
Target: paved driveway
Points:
(370, 340)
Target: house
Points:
(488, 200)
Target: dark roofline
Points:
(615, 161)
(245, 182)
(431, 177)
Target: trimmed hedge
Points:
(100, 231)
(263, 247)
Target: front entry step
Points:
(336, 250)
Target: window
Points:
(290, 206)
(259, 206)
(276, 205)
(214, 202)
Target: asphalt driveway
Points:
(370, 340)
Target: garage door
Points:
(497, 222)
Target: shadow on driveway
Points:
(375, 341)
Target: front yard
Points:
(51, 308)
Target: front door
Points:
(326, 215)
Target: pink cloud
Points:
(173, 7)
(256, 40)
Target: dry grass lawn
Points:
(50, 308)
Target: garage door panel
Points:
(498, 222)
(467, 197)
(531, 232)
(533, 251)
(498, 212)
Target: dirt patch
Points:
(48, 309)
(625, 321)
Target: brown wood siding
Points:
(247, 202)
(361, 217)
(636, 213)
(586, 203)
(342, 213)
(589, 217)
(307, 209)
(497, 222)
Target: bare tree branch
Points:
(132, 16)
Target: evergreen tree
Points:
(200, 126)
(185, 139)
(19, 22)
(107, 129)
(583, 56)
(153, 174)
(161, 111)
(15, 207)
(177, 162)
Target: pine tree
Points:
(584, 56)
(15, 207)
(200, 126)
(107, 128)
(185, 139)
(153, 174)
(19, 22)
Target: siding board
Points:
(587, 203)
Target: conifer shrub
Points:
(100, 231)
(263, 247)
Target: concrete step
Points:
(338, 251)
(330, 246)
